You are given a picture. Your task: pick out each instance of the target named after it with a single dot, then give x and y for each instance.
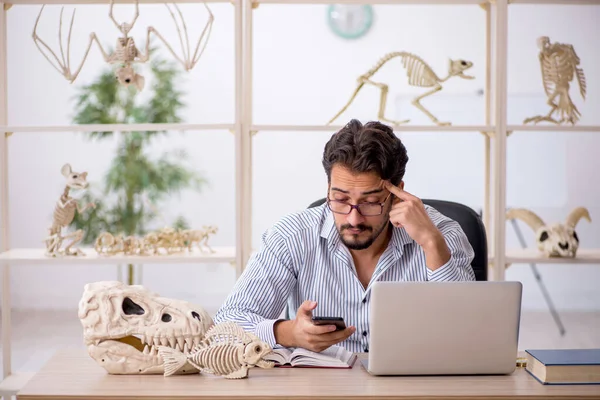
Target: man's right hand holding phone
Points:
(301, 332)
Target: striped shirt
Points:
(302, 258)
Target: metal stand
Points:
(538, 277)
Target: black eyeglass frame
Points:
(357, 206)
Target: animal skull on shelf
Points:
(123, 326)
(556, 240)
(126, 52)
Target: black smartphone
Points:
(337, 321)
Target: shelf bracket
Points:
(252, 133)
(7, 6)
(8, 134)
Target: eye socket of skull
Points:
(575, 236)
(131, 308)
(544, 236)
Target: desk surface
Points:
(72, 373)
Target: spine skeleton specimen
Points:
(419, 74)
(560, 65)
(164, 241)
(126, 52)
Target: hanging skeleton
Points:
(419, 74)
(64, 213)
(126, 52)
(559, 65)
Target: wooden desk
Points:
(73, 374)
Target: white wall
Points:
(302, 75)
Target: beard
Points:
(352, 240)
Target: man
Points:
(323, 260)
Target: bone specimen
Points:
(126, 52)
(556, 240)
(124, 325)
(64, 213)
(226, 350)
(164, 241)
(419, 74)
(560, 65)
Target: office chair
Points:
(471, 224)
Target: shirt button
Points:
(364, 300)
(366, 349)
(364, 333)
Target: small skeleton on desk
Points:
(126, 51)
(64, 213)
(560, 65)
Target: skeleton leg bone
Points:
(352, 97)
(77, 236)
(383, 101)
(416, 103)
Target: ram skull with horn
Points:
(556, 240)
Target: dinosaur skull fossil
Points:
(556, 240)
(124, 325)
(458, 67)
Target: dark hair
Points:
(372, 147)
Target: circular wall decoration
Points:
(350, 21)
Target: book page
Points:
(280, 355)
(334, 356)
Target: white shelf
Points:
(397, 128)
(554, 128)
(142, 2)
(14, 383)
(554, 2)
(416, 2)
(25, 256)
(533, 256)
(116, 127)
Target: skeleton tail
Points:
(173, 359)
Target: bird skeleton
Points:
(560, 65)
(64, 213)
(126, 52)
(556, 240)
(419, 74)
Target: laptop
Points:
(444, 328)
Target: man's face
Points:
(358, 231)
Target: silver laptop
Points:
(444, 328)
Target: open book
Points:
(332, 357)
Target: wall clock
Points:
(350, 21)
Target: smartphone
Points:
(337, 321)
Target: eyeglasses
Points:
(364, 209)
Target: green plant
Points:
(135, 184)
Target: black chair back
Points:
(470, 223)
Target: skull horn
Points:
(576, 215)
(527, 216)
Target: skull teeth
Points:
(146, 349)
(172, 342)
(180, 343)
